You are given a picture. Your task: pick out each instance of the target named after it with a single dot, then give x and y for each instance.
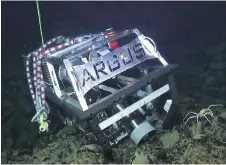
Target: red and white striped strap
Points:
(34, 56)
(37, 71)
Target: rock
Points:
(217, 66)
(170, 139)
(140, 158)
(219, 49)
(198, 131)
(7, 143)
(222, 116)
(162, 153)
(4, 157)
(66, 131)
(153, 157)
(91, 147)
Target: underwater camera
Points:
(111, 84)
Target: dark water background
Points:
(178, 28)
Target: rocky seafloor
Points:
(200, 84)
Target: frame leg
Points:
(174, 116)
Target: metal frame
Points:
(65, 102)
(79, 108)
(149, 49)
(54, 80)
(135, 106)
(73, 79)
(141, 49)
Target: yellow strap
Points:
(43, 124)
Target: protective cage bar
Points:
(69, 104)
(130, 109)
(76, 73)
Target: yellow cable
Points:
(43, 125)
(40, 23)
